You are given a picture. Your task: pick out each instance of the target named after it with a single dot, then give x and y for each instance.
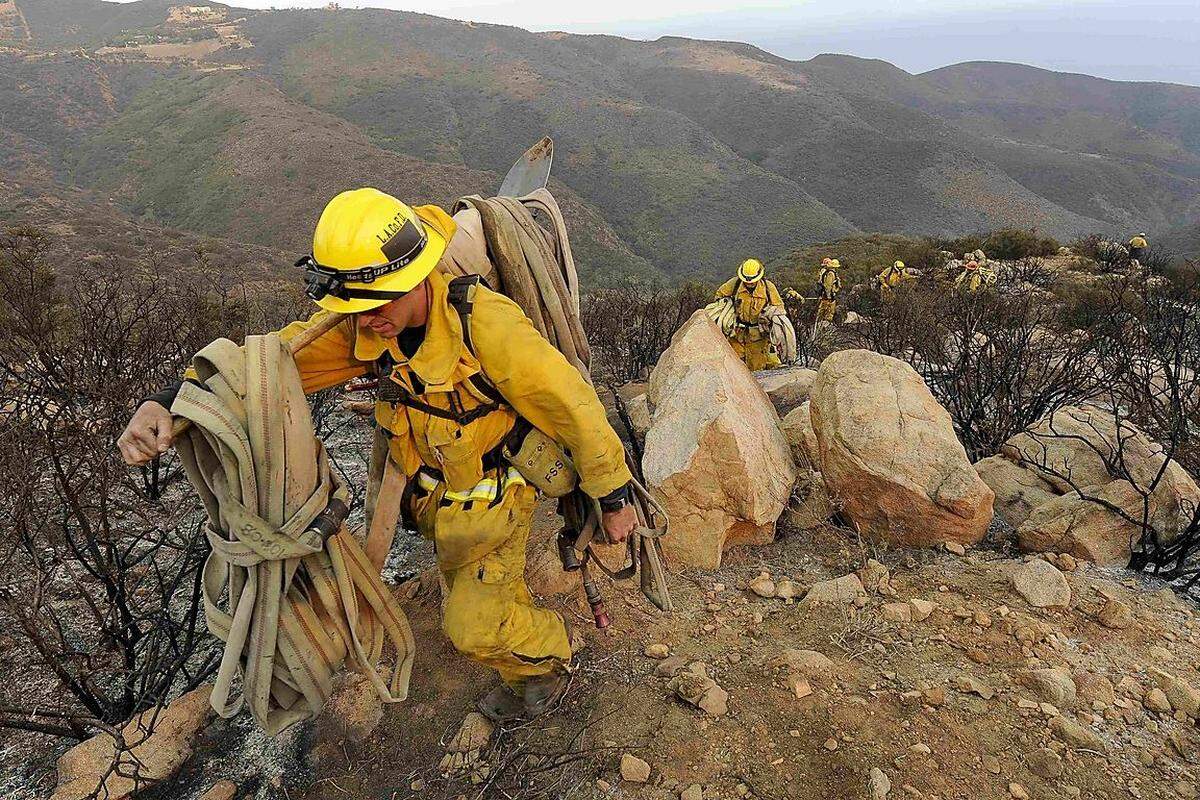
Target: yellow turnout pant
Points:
(489, 614)
(825, 310)
(753, 347)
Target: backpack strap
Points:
(461, 297)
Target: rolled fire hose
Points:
(287, 587)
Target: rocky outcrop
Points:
(1018, 490)
(787, 387)
(1084, 526)
(889, 455)
(1102, 470)
(160, 744)
(798, 430)
(714, 454)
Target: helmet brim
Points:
(405, 280)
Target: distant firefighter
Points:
(754, 300)
(829, 283)
(1137, 247)
(893, 276)
(974, 277)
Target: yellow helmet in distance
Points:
(898, 265)
(368, 249)
(751, 271)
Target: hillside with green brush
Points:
(676, 158)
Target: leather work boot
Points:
(543, 692)
(503, 704)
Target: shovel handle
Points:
(295, 345)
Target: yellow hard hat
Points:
(834, 263)
(898, 265)
(751, 271)
(368, 249)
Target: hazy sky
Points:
(1131, 40)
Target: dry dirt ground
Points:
(903, 698)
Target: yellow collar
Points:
(439, 353)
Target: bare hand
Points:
(147, 436)
(619, 524)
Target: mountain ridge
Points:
(679, 156)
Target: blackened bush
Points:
(629, 328)
(998, 363)
(99, 569)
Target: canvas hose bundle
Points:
(532, 264)
(287, 587)
(781, 333)
(775, 320)
(723, 314)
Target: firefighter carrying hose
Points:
(752, 297)
(974, 277)
(457, 391)
(830, 283)
(893, 276)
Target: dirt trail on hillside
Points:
(936, 705)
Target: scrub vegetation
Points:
(131, 187)
(100, 564)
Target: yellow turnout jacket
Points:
(830, 282)
(534, 378)
(893, 277)
(749, 300)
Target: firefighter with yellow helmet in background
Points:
(830, 284)
(893, 276)
(751, 294)
(1137, 247)
(975, 276)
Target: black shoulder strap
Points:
(461, 297)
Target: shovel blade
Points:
(531, 172)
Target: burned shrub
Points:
(629, 328)
(99, 584)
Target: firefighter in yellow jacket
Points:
(751, 293)
(830, 284)
(974, 277)
(893, 276)
(454, 389)
(1137, 247)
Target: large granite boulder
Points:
(714, 454)
(1018, 490)
(889, 454)
(1112, 480)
